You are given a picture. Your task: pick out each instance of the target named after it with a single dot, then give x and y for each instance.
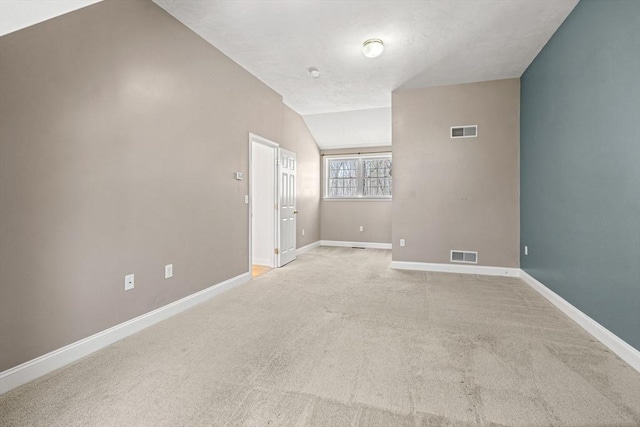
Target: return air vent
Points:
(464, 256)
(470, 131)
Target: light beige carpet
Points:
(337, 339)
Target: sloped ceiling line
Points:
(427, 43)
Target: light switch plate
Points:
(168, 271)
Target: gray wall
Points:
(457, 193)
(341, 219)
(580, 164)
(120, 130)
(298, 139)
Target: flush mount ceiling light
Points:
(314, 72)
(372, 48)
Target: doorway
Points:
(272, 205)
(263, 204)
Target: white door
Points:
(287, 206)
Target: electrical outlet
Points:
(129, 282)
(402, 242)
(246, 199)
(361, 228)
(303, 231)
(526, 250)
(168, 271)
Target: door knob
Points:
(295, 212)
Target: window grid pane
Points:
(343, 174)
(358, 177)
(377, 177)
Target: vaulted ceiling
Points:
(427, 43)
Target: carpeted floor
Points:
(336, 338)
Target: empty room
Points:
(319, 213)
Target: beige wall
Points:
(463, 193)
(120, 131)
(341, 219)
(298, 139)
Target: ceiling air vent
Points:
(464, 256)
(470, 131)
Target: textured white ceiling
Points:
(428, 43)
(357, 128)
(18, 14)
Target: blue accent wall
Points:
(580, 164)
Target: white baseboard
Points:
(602, 334)
(618, 346)
(454, 268)
(367, 245)
(29, 371)
(308, 247)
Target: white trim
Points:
(324, 147)
(357, 199)
(29, 371)
(618, 346)
(308, 247)
(367, 245)
(451, 268)
(261, 140)
(625, 351)
(373, 155)
(359, 171)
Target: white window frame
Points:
(325, 178)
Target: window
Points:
(363, 177)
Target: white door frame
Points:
(253, 138)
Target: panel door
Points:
(287, 206)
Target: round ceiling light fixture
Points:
(372, 48)
(314, 72)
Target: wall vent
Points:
(464, 256)
(470, 131)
